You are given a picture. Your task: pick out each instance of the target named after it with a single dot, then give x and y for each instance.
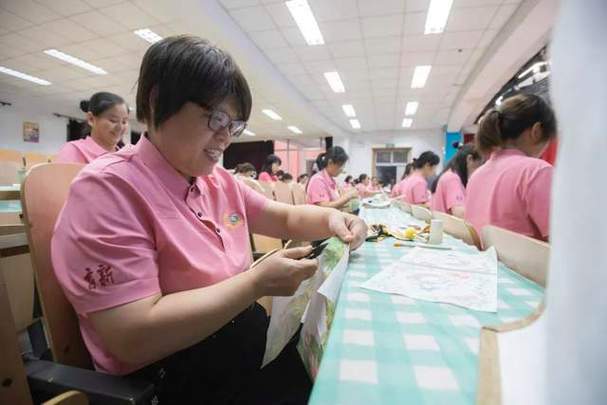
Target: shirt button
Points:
(199, 214)
(192, 189)
(218, 230)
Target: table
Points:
(391, 349)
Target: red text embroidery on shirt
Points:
(104, 276)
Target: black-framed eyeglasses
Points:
(219, 120)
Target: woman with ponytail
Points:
(512, 189)
(414, 188)
(107, 115)
(322, 188)
(449, 188)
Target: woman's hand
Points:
(281, 273)
(349, 228)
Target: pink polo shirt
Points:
(321, 187)
(450, 192)
(268, 178)
(413, 189)
(133, 227)
(511, 191)
(363, 190)
(80, 151)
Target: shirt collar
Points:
(327, 177)
(93, 146)
(506, 152)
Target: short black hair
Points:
(185, 68)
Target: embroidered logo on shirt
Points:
(233, 220)
(104, 276)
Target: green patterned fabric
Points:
(391, 349)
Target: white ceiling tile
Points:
(417, 5)
(129, 15)
(280, 15)
(467, 19)
(376, 46)
(229, 4)
(421, 43)
(341, 30)
(129, 41)
(503, 15)
(68, 7)
(487, 38)
(324, 10)
(7, 52)
(452, 57)
(293, 36)
(382, 26)
(347, 49)
(162, 10)
(290, 69)
(475, 3)
(319, 67)
(268, 39)
(30, 11)
(380, 7)
(385, 60)
(98, 23)
(417, 58)
(415, 23)
(72, 32)
(350, 64)
(461, 40)
(11, 22)
(386, 73)
(103, 3)
(313, 53)
(282, 55)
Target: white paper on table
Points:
(467, 280)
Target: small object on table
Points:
(436, 232)
(422, 245)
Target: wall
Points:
(53, 130)
(359, 147)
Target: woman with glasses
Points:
(152, 247)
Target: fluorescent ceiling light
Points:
(411, 108)
(148, 35)
(294, 129)
(349, 110)
(249, 133)
(272, 114)
(355, 124)
(407, 122)
(420, 76)
(335, 82)
(438, 13)
(304, 18)
(75, 61)
(24, 76)
(535, 68)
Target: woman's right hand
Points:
(281, 273)
(352, 194)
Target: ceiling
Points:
(373, 44)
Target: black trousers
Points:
(225, 368)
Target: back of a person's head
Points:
(458, 164)
(427, 157)
(245, 167)
(270, 160)
(336, 154)
(511, 118)
(362, 177)
(286, 177)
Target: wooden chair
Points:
(299, 194)
(32, 159)
(458, 228)
(254, 184)
(268, 189)
(282, 193)
(262, 244)
(527, 256)
(422, 213)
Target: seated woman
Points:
(375, 186)
(396, 187)
(152, 247)
(108, 118)
(270, 169)
(362, 186)
(449, 188)
(414, 188)
(246, 170)
(322, 188)
(512, 189)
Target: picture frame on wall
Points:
(31, 132)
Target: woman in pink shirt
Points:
(396, 188)
(152, 246)
(108, 117)
(270, 169)
(449, 188)
(512, 189)
(322, 188)
(414, 188)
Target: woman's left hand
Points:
(349, 228)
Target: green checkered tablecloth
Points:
(391, 349)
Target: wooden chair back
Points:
(282, 193)
(299, 194)
(421, 213)
(32, 159)
(43, 194)
(268, 189)
(459, 228)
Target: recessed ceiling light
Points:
(355, 124)
(438, 13)
(148, 35)
(304, 18)
(335, 82)
(411, 108)
(349, 110)
(407, 122)
(294, 129)
(24, 76)
(272, 114)
(249, 133)
(420, 76)
(75, 61)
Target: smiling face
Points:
(188, 143)
(108, 127)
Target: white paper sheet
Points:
(467, 280)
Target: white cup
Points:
(436, 232)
